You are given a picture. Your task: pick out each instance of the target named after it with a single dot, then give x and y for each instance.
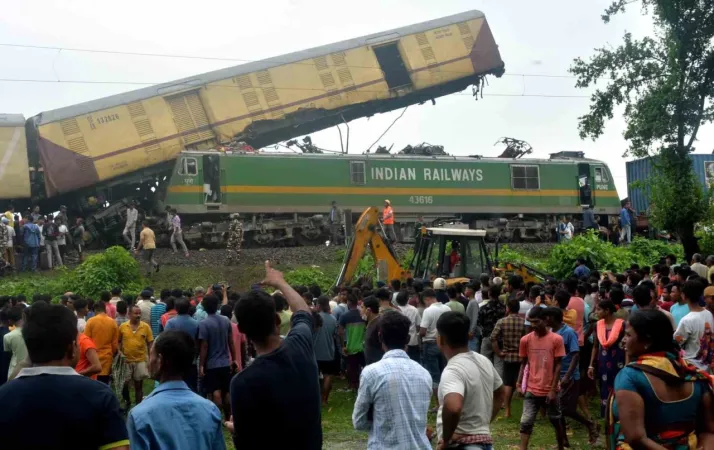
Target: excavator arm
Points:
(367, 235)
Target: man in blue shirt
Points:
(75, 412)
(215, 341)
(184, 322)
(172, 416)
(569, 373)
(31, 235)
(581, 271)
(625, 224)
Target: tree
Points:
(664, 85)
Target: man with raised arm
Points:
(282, 382)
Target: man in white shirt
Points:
(9, 255)
(434, 360)
(414, 322)
(63, 231)
(132, 215)
(176, 233)
(470, 393)
(699, 268)
(693, 325)
(473, 293)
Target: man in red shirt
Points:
(543, 351)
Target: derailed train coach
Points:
(14, 166)
(100, 151)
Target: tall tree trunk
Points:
(689, 241)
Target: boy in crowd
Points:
(569, 374)
(543, 351)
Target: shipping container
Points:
(643, 170)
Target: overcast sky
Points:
(533, 37)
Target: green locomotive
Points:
(286, 197)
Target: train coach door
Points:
(584, 186)
(395, 70)
(212, 179)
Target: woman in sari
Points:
(660, 402)
(608, 351)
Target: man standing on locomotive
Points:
(388, 221)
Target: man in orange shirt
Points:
(103, 330)
(88, 364)
(388, 221)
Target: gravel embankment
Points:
(317, 255)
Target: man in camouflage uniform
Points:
(3, 242)
(235, 239)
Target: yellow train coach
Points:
(14, 167)
(261, 102)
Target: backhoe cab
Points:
(455, 254)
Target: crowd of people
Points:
(36, 234)
(254, 361)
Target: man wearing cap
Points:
(440, 289)
(129, 234)
(10, 216)
(235, 239)
(388, 221)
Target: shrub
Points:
(103, 271)
(598, 254)
(100, 272)
(507, 254)
(648, 251)
(310, 275)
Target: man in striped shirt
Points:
(176, 233)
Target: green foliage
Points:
(598, 254)
(664, 84)
(508, 254)
(648, 252)
(54, 286)
(310, 275)
(407, 259)
(103, 271)
(705, 234)
(100, 272)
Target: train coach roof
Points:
(229, 72)
(12, 120)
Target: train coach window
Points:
(601, 175)
(357, 172)
(189, 166)
(525, 177)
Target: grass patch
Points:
(339, 434)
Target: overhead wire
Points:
(388, 128)
(243, 60)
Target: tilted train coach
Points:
(106, 148)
